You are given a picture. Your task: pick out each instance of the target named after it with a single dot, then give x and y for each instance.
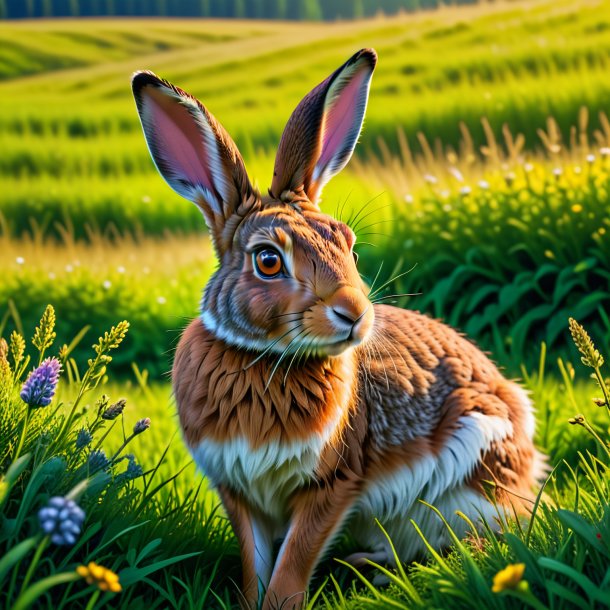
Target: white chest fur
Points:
(266, 475)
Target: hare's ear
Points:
(194, 154)
(322, 132)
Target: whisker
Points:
(294, 357)
(271, 346)
(282, 356)
(396, 296)
(392, 279)
(363, 207)
(373, 211)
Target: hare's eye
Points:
(268, 262)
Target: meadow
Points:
(481, 187)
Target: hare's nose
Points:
(348, 306)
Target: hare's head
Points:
(287, 279)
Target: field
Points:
(481, 187)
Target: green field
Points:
(483, 170)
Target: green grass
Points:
(75, 126)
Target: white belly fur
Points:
(437, 480)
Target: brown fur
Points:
(303, 357)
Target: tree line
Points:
(314, 10)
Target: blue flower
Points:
(62, 519)
(97, 460)
(39, 388)
(83, 438)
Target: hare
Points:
(308, 407)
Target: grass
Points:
(161, 531)
(507, 62)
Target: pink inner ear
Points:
(177, 139)
(342, 122)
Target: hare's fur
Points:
(308, 407)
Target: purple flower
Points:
(141, 425)
(61, 519)
(40, 386)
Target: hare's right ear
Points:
(322, 132)
(194, 154)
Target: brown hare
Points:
(306, 406)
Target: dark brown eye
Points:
(268, 262)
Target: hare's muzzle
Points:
(351, 315)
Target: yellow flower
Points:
(576, 208)
(104, 578)
(508, 578)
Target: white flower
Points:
(456, 173)
(577, 169)
(557, 172)
(447, 207)
(465, 190)
(161, 300)
(69, 268)
(20, 260)
(146, 199)
(145, 270)
(483, 184)
(409, 198)
(51, 275)
(528, 167)
(430, 179)
(604, 151)
(107, 284)
(120, 269)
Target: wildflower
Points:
(44, 335)
(604, 151)
(483, 184)
(97, 460)
(590, 356)
(133, 470)
(576, 208)
(528, 167)
(456, 173)
(508, 578)
(40, 386)
(141, 425)
(408, 198)
(430, 179)
(17, 347)
(509, 178)
(107, 284)
(113, 411)
(105, 579)
(20, 260)
(146, 199)
(161, 300)
(578, 420)
(590, 158)
(120, 269)
(557, 172)
(62, 519)
(83, 438)
(69, 268)
(465, 190)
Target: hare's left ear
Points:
(322, 132)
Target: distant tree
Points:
(47, 8)
(204, 8)
(358, 9)
(110, 8)
(74, 9)
(3, 11)
(238, 9)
